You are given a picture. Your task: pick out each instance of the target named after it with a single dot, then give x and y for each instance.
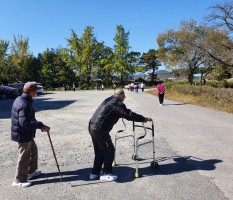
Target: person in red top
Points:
(161, 92)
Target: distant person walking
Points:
(132, 87)
(64, 86)
(74, 88)
(142, 86)
(161, 91)
(136, 86)
(102, 87)
(23, 129)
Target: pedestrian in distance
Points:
(132, 87)
(136, 86)
(64, 86)
(23, 128)
(102, 87)
(101, 123)
(161, 92)
(74, 88)
(129, 87)
(142, 86)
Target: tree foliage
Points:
(192, 46)
(151, 62)
(191, 49)
(125, 61)
(176, 49)
(121, 50)
(21, 58)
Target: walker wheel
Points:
(113, 163)
(134, 157)
(154, 164)
(136, 175)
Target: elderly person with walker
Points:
(101, 123)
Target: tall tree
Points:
(151, 62)
(176, 48)
(104, 64)
(84, 53)
(55, 71)
(4, 45)
(22, 58)
(220, 17)
(90, 53)
(121, 51)
(73, 54)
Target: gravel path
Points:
(193, 147)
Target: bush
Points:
(218, 94)
(84, 86)
(230, 83)
(217, 84)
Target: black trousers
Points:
(104, 151)
(161, 97)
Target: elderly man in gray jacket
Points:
(23, 129)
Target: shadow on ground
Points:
(39, 105)
(126, 173)
(174, 104)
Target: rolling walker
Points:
(137, 144)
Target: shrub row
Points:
(218, 94)
(220, 84)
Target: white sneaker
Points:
(161, 104)
(24, 184)
(108, 177)
(34, 174)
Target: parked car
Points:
(8, 92)
(18, 86)
(40, 89)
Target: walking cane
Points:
(54, 155)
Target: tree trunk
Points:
(190, 78)
(88, 80)
(202, 79)
(153, 76)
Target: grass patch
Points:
(204, 100)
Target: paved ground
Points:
(193, 147)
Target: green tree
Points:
(4, 45)
(84, 53)
(22, 58)
(55, 71)
(104, 69)
(151, 62)
(90, 53)
(73, 54)
(220, 18)
(121, 51)
(176, 48)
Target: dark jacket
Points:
(109, 112)
(23, 122)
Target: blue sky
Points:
(47, 23)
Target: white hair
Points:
(30, 86)
(119, 92)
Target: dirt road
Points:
(193, 147)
